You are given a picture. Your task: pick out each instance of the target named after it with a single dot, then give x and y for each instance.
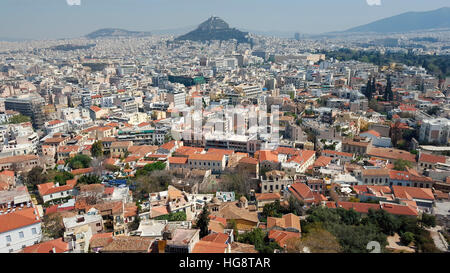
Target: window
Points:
(33, 231)
(8, 238)
(21, 234)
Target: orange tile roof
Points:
(267, 196)
(372, 132)
(68, 148)
(49, 188)
(19, 218)
(358, 207)
(221, 238)
(304, 156)
(399, 209)
(82, 171)
(100, 239)
(54, 122)
(57, 245)
(248, 160)
(177, 160)
(218, 219)
(403, 192)
(266, 155)
(187, 150)
(289, 220)
(337, 153)
(168, 145)
(209, 247)
(301, 191)
(391, 153)
(322, 161)
(158, 211)
(18, 158)
(429, 158)
(7, 173)
(287, 151)
(207, 157)
(282, 236)
(95, 108)
(221, 151)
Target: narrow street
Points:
(438, 239)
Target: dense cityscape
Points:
(222, 141)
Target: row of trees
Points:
(37, 176)
(19, 119)
(353, 232)
(371, 89)
(151, 178)
(436, 64)
(275, 209)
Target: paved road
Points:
(438, 239)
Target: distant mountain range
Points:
(215, 29)
(409, 21)
(116, 32)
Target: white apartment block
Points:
(435, 130)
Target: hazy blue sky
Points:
(41, 19)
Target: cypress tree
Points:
(203, 222)
(388, 95)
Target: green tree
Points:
(401, 164)
(316, 240)
(148, 168)
(79, 162)
(388, 94)
(428, 220)
(19, 119)
(97, 149)
(406, 238)
(272, 209)
(203, 222)
(153, 182)
(35, 177)
(172, 217)
(58, 176)
(89, 179)
(387, 222)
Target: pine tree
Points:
(97, 149)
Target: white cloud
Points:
(373, 2)
(73, 2)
